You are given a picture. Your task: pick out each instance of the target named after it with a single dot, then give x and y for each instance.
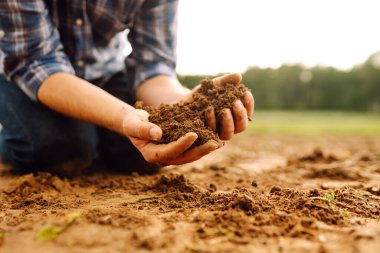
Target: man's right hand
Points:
(141, 132)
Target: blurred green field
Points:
(315, 122)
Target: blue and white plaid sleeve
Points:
(153, 39)
(30, 44)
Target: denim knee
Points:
(43, 151)
(36, 138)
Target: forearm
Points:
(79, 99)
(161, 89)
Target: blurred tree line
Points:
(294, 87)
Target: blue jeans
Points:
(36, 138)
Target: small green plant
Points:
(217, 167)
(329, 197)
(49, 232)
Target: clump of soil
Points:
(29, 184)
(184, 117)
(172, 183)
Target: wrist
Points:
(170, 90)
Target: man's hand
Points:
(232, 121)
(141, 132)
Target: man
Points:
(66, 90)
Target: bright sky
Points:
(229, 35)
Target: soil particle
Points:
(184, 117)
(172, 183)
(335, 173)
(254, 183)
(275, 189)
(317, 155)
(374, 190)
(212, 188)
(245, 203)
(29, 184)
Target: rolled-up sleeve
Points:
(153, 38)
(30, 44)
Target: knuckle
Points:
(239, 112)
(226, 114)
(141, 131)
(142, 113)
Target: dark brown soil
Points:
(257, 194)
(184, 117)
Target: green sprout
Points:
(49, 232)
(329, 197)
(217, 167)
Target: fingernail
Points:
(193, 134)
(154, 133)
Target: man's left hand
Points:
(233, 120)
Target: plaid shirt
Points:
(83, 37)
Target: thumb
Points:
(144, 130)
(234, 78)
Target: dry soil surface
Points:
(259, 193)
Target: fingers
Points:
(240, 116)
(249, 103)
(194, 154)
(227, 125)
(234, 78)
(174, 149)
(157, 153)
(211, 119)
(235, 121)
(143, 130)
(138, 126)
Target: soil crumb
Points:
(184, 117)
(172, 183)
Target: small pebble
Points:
(275, 189)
